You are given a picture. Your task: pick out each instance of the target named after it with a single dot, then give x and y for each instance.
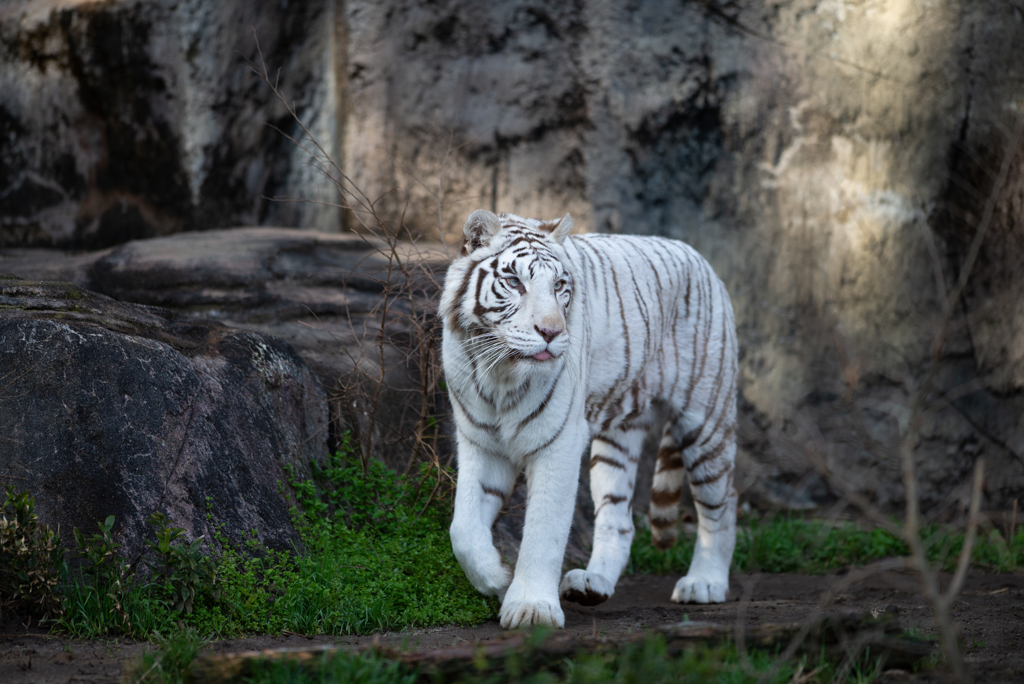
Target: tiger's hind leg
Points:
(614, 455)
(667, 490)
(706, 453)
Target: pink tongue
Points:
(543, 356)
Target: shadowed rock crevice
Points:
(140, 119)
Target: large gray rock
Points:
(130, 119)
(109, 408)
(321, 293)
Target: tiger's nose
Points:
(548, 333)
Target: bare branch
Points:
(972, 525)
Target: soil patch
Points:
(990, 613)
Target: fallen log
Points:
(840, 636)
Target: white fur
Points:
(620, 318)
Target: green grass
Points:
(796, 544)
(377, 556)
(95, 610)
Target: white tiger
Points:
(551, 343)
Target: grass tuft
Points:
(169, 663)
(791, 542)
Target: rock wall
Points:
(832, 159)
(132, 119)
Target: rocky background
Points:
(112, 408)
(127, 120)
(833, 159)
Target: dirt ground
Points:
(990, 612)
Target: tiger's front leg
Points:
(711, 466)
(551, 477)
(614, 456)
(484, 484)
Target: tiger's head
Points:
(510, 290)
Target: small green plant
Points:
(106, 596)
(99, 551)
(169, 663)
(100, 592)
(184, 570)
(31, 559)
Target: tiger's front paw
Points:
(585, 588)
(526, 612)
(698, 589)
(490, 579)
(482, 564)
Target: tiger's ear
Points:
(480, 227)
(561, 229)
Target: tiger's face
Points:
(515, 293)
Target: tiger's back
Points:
(655, 309)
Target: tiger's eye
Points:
(512, 281)
(559, 285)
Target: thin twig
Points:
(405, 320)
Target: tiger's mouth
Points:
(544, 355)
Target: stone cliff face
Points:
(832, 159)
(124, 120)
